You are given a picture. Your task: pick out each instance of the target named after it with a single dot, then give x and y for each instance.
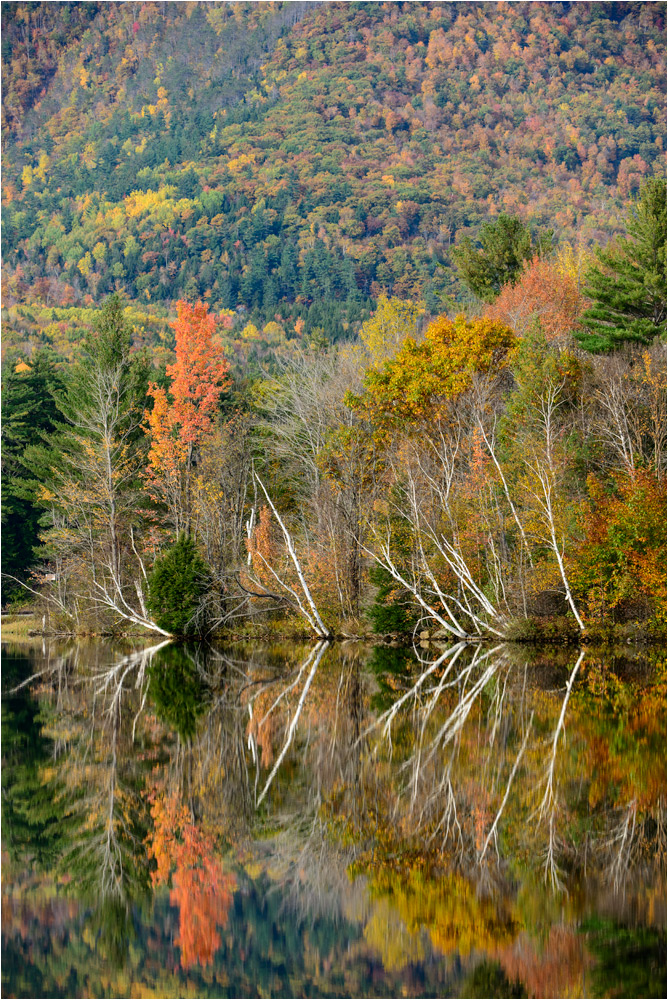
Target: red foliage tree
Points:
(542, 295)
(201, 890)
(178, 425)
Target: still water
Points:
(332, 820)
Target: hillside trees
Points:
(540, 296)
(504, 246)
(345, 170)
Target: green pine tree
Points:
(504, 246)
(628, 287)
(86, 473)
(28, 411)
(178, 584)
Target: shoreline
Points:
(20, 626)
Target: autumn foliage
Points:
(201, 890)
(198, 379)
(178, 424)
(417, 381)
(542, 295)
(622, 560)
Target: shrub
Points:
(177, 585)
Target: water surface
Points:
(284, 820)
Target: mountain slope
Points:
(300, 159)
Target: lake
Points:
(323, 820)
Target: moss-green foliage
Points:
(505, 245)
(631, 961)
(177, 585)
(489, 980)
(28, 411)
(393, 609)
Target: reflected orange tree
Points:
(200, 888)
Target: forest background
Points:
(385, 346)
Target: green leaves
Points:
(177, 585)
(504, 246)
(628, 287)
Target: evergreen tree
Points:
(392, 610)
(177, 585)
(86, 475)
(504, 246)
(28, 411)
(628, 287)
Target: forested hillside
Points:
(297, 159)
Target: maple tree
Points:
(540, 295)
(417, 382)
(177, 425)
(622, 558)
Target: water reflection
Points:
(476, 817)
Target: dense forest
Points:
(347, 317)
(299, 160)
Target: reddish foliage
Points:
(200, 888)
(199, 378)
(542, 294)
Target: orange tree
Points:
(177, 425)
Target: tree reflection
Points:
(467, 785)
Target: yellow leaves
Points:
(386, 932)
(417, 382)
(83, 77)
(235, 166)
(43, 163)
(139, 202)
(388, 180)
(85, 264)
(250, 332)
(27, 176)
(392, 322)
(572, 260)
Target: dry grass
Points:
(17, 628)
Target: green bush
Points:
(177, 585)
(393, 610)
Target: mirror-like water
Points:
(283, 820)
